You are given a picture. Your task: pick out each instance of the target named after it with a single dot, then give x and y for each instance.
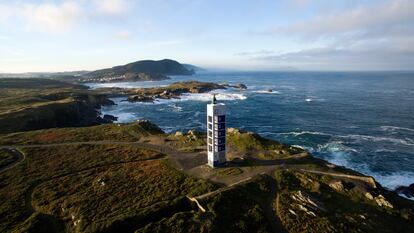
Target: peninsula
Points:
(69, 172)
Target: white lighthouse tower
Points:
(216, 133)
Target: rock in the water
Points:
(109, 118)
(140, 98)
(406, 190)
(237, 85)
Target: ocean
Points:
(360, 120)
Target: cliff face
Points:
(28, 104)
(81, 111)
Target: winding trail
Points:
(179, 159)
(20, 157)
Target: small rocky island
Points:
(172, 91)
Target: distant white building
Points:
(216, 133)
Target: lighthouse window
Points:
(222, 140)
(210, 126)
(221, 148)
(210, 141)
(210, 119)
(221, 133)
(210, 148)
(210, 133)
(221, 118)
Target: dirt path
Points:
(20, 158)
(271, 211)
(366, 179)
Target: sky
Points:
(67, 35)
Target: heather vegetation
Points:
(6, 157)
(107, 132)
(102, 186)
(102, 179)
(248, 143)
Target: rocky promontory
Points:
(172, 91)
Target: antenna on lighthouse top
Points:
(214, 99)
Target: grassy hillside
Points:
(163, 67)
(121, 187)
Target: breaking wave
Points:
(304, 133)
(205, 97)
(395, 128)
(357, 137)
(268, 92)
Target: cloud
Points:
(123, 35)
(363, 19)
(255, 53)
(166, 42)
(344, 59)
(111, 7)
(370, 36)
(5, 12)
(52, 17)
(59, 16)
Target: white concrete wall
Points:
(213, 156)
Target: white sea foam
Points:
(175, 108)
(357, 137)
(305, 132)
(395, 128)
(268, 92)
(339, 154)
(395, 179)
(382, 150)
(126, 84)
(308, 99)
(205, 97)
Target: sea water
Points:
(360, 120)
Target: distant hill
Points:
(193, 68)
(161, 67)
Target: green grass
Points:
(240, 142)
(236, 210)
(230, 171)
(108, 132)
(138, 185)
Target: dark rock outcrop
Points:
(80, 110)
(406, 190)
(172, 91)
(237, 85)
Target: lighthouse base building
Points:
(216, 133)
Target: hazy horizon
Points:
(304, 35)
